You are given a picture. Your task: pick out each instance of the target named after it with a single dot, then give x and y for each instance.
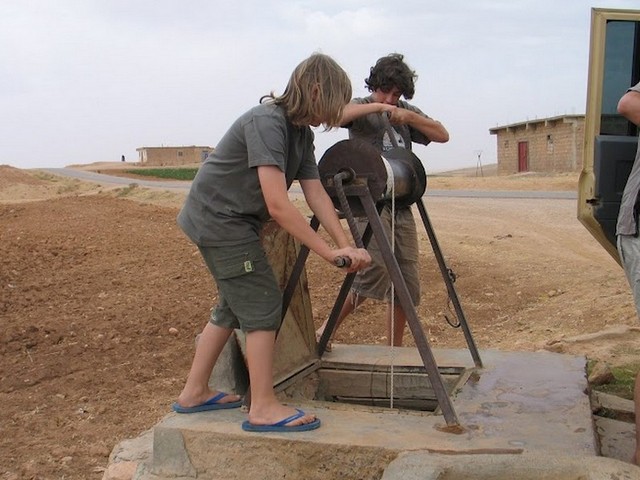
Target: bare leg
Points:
(348, 307)
(265, 407)
(196, 390)
(398, 320)
(636, 399)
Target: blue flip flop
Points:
(281, 426)
(211, 404)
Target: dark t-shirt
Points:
(225, 205)
(626, 217)
(371, 128)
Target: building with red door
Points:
(553, 144)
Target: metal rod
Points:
(292, 283)
(360, 241)
(342, 296)
(404, 297)
(451, 291)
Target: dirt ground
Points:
(101, 296)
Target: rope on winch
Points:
(391, 190)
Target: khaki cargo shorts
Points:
(374, 281)
(249, 297)
(629, 251)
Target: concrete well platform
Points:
(524, 415)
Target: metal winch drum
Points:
(396, 174)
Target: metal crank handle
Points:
(342, 262)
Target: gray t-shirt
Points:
(225, 205)
(626, 217)
(371, 128)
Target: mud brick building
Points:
(166, 156)
(552, 144)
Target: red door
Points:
(523, 156)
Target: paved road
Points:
(184, 186)
(113, 180)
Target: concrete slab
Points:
(515, 402)
(617, 438)
(519, 404)
(536, 466)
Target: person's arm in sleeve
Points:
(274, 190)
(429, 127)
(354, 111)
(323, 208)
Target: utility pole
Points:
(479, 163)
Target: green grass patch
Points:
(623, 382)
(167, 173)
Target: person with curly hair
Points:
(386, 121)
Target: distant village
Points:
(553, 145)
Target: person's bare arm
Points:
(629, 106)
(429, 127)
(323, 208)
(274, 191)
(357, 110)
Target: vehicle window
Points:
(621, 70)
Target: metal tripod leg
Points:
(289, 290)
(404, 297)
(292, 282)
(375, 229)
(342, 296)
(451, 291)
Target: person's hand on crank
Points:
(351, 259)
(400, 116)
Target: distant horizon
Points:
(126, 163)
(484, 165)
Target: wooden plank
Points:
(349, 354)
(382, 366)
(295, 347)
(420, 404)
(341, 383)
(304, 372)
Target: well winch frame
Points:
(349, 189)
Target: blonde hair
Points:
(318, 91)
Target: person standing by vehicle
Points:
(627, 231)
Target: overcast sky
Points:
(90, 80)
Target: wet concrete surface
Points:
(519, 405)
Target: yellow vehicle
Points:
(610, 140)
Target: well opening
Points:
(349, 375)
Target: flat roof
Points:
(526, 123)
(167, 147)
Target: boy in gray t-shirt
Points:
(390, 78)
(239, 187)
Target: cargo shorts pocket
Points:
(235, 265)
(247, 285)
